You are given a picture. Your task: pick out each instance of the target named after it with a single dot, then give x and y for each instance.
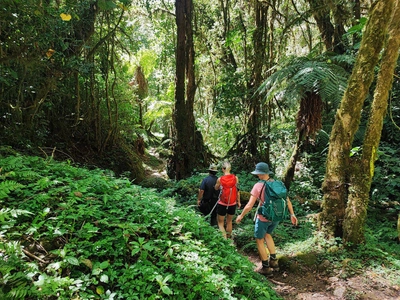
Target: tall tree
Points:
(331, 17)
(338, 169)
(187, 145)
(254, 106)
(363, 169)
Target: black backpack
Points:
(275, 205)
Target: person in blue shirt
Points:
(208, 196)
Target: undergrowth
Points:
(74, 233)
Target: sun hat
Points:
(262, 168)
(213, 168)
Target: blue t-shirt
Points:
(207, 185)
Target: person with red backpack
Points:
(229, 197)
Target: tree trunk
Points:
(259, 40)
(308, 123)
(291, 166)
(331, 32)
(185, 142)
(321, 14)
(347, 119)
(356, 210)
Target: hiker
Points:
(263, 227)
(229, 197)
(208, 196)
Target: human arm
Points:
(293, 218)
(200, 196)
(217, 184)
(247, 208)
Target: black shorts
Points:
(222, 210)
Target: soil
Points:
(306, 283)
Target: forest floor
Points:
(306, 282)
(313, 283)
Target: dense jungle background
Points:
(112, 110)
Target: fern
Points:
(8, 213)
(44, 183)
(19, 284)
(14, 283)
(12, 163)
(27, 175)
(300, 75)
(7, 186)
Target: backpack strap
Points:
(259, 197)
(229, 198)
(263, 188)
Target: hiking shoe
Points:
(267, 271)
(273, 263)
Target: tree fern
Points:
(301, 75)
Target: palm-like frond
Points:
(303, 75)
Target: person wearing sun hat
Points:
(263, 228)
(207, 196)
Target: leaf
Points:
(104, 278)
(100, 290)
(88, 263)
(166, 290)
(135, 251)
(50, 53)
(65, 17)
(96, 271)
(104, 264)
(72, 260)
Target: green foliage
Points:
(63, 84)
(386, 181)
(79, 233)
(301, 75)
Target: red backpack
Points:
(228, 193)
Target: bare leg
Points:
(221, 225)
(229, 225)
(261, 250)
(270, 243)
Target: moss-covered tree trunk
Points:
(356, 210)
(347, 119)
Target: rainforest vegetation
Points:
(111, 112)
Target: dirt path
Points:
(310, 284)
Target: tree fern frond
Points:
(303, 75)
(344, 60)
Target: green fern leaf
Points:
(7, 186)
